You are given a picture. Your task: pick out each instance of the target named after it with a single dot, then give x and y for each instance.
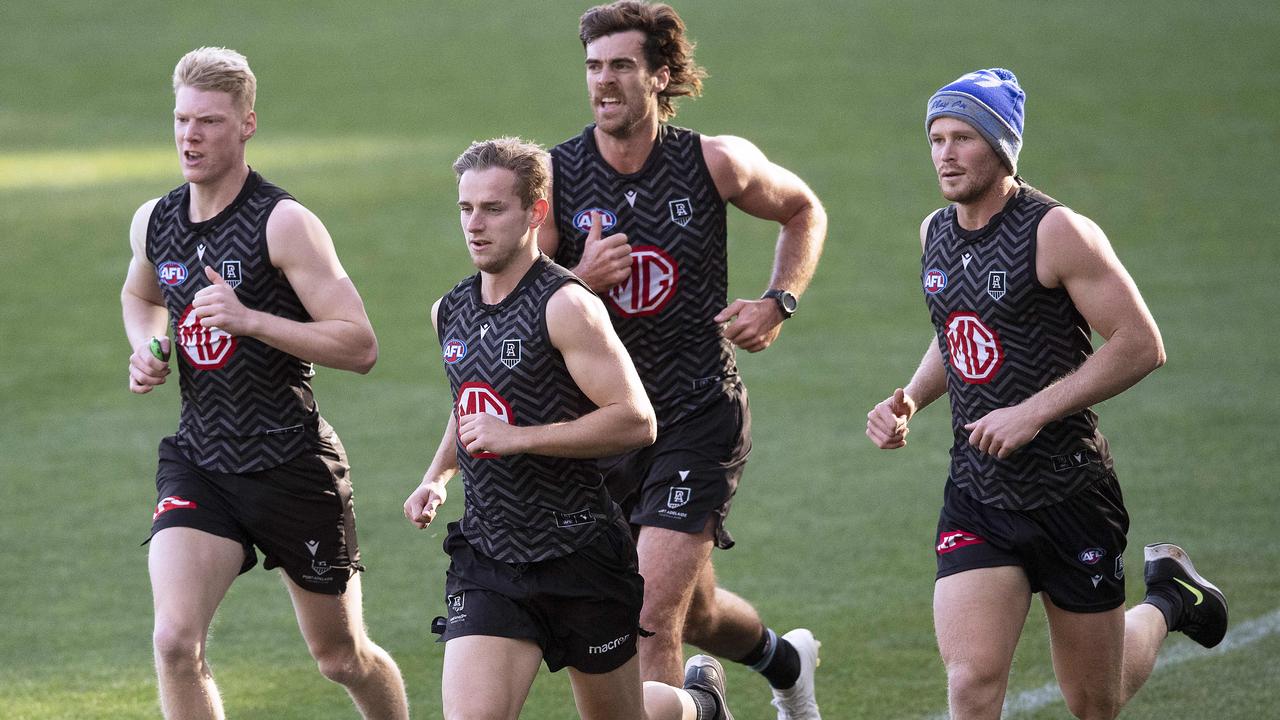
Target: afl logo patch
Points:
(1092, 556)
(172, 273)
(582, 220)
(454, 350)
(934, 281)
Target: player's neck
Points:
(496, 286)
(210, 198)
(977, 213)
(628, 153)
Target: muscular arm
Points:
(760, 188)
(597, 361)
(1073, 253)
(142, 306)
(887, 421)
(339, 334)
(420, 508)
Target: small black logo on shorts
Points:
(457, 602)
(678, 497)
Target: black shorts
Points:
(690, 473)
(300, 514)
(582, 609)
(1073, 550)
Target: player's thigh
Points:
(191, 571)
(978, 616)
(329, 622)
(671, 563)
(487, 677)
(606, 696)
(1088, 650)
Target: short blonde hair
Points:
(221, 69)
(530, 163)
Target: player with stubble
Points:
(542, 567)
(1015, 284)
(249, 283)
(662, 266)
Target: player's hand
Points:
(1001, 432)
(420, 508)
(217, 306)
(753, 324)
(887, 421)
(483, 433)
(606, 260)
(146, 370)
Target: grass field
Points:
(1157, 120)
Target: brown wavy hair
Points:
(665, 44)
(528, 161)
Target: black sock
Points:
(1166, 598)
(704, 702)
(763, 647)
(775, 659)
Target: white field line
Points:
(1245, 633)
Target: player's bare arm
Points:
(142, 305)
(421, 506)
(763, 189)
(606, 259)
(579, 327)
(887, 421)
(339, 334)
(1074, 253)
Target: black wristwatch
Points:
(787, 302)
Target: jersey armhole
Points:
(705, 171)
(150, 235)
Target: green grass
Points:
(1156, 121)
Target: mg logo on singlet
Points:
(651, 285)
(478, 397)
(205, 348)
(976, 353)
(172, 273)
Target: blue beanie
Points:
(989, 100)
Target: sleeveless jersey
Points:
(1003, 337)
(500, 360)
(246, 406)
(674, 219)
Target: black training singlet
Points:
(1003, 337)
(674, 219)
(500, 360)
(246, 406)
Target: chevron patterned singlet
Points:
(1003, 337)
(675, 221)
(500, 360)
(246, 406)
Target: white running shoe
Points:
(798, 702)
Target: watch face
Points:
(786, 301)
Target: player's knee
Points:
(343, 662)
(974, 685)
(177, 647)
(1089, 703)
